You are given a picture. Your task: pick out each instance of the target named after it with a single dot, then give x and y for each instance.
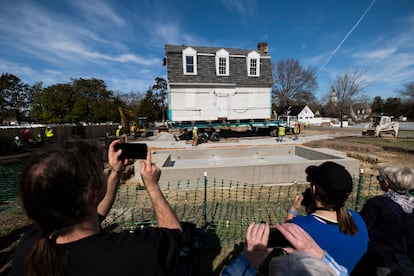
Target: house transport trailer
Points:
(221, 91)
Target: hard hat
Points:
(195, 128)
(17, 138)
(119, 127)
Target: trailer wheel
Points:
(215, 137)
(203, 138)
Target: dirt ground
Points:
(13, 222)
(371, 157)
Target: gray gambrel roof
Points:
(210, 50)
(206, 68)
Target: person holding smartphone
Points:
(336, 229)
(65, 192)
(307, 257)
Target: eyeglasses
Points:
(380, 179)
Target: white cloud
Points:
(375, 55)
(97, 11)
(242, 7)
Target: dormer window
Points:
(189, 61)
(222, 63)
(253, 64)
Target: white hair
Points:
(401, 178)
(299, 263)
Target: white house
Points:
(307, 117)
(306, 114)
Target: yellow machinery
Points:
(135, 126)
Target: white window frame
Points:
(192, 53)
(253, 56)
(222, 54)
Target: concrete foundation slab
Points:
(277, 164)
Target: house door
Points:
(222, 106)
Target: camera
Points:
(307, 197)
(276, 239)
(308, 202)
(132, 150)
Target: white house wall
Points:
(210, 104)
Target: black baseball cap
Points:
(332, 177)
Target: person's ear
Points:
(313, 188)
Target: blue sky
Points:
(122, 42)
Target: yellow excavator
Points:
(135, 126)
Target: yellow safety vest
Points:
(296, 129)
(281, 131)
(117, 132)
(49, 132)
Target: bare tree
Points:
(407, 94)
(347, 85)
(292, 83)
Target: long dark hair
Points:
(346, 223)
(53, 188)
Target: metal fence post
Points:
(205, 201)
(360, 183)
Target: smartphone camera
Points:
(307, 197)
(132, 150)
(277, 240)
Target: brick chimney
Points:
(262, 47)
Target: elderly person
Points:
(389, 218)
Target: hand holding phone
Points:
(276, 239)
(132, 150)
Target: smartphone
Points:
(276, 239)
(132, 150)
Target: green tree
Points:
(36, 107)
(377, 105)
(94, 99)
(292, 83)
(57, 102)
(16, 98)
(160, 89)
(393, 107)
(149, 107)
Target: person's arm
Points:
(164, 214)
(254, 253)
(293, 210)
(113, 180)
(339, 269)
(239, 267)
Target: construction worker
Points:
(296, 131)
(195, 136)
(281, 133)
(19, 147)
(17, 141)
(49, 135)
(118, 131)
